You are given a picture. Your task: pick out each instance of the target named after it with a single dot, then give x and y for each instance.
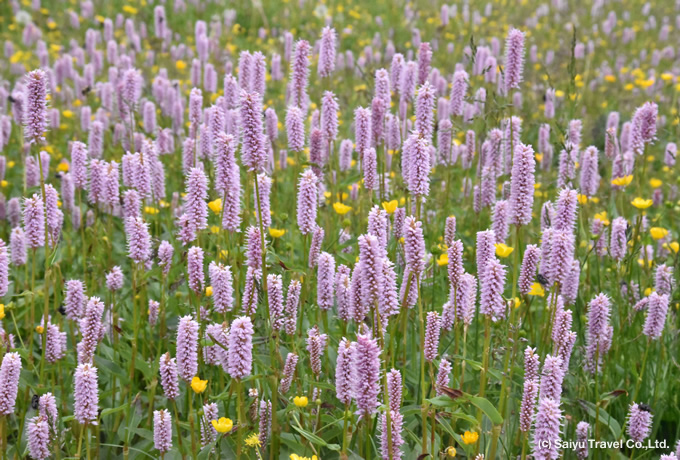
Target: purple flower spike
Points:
(547, 428)
(187, 348)
(366, 374)
(86, 391)
(307, 201)
(514, 59)
(432, 331)
(254, 154)
(657, 310)
(522, 184)
(9, 382)
(162, 430)
(639, 422)
(491, 302)
(240, 355)
(35, 114)
(169, 379)
(327, 52)
(343, 372)
(38, 431)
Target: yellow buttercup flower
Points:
(658, 232)
(390, 206)
(130, 9)
(674, 246)
(582, 199)
(622, 181)
(2, 310)
(451, 452)
(503, 250)
(641, 203)
(341, 208)
(223, 425)
(602, 217)
(216, 206)
(276, 232)
(150, 210)
(180, 65)
(209, 291)
(648, 291)
(297, 457)
(443, 259)
(39, 329)
(198, 385)
(537, 289)
(62, 167)
(655, 183)
(641, 262)
(67, 114)
(301, 401)
(470, 437)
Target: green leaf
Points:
(112, 410)
(485, 406)
(604, 417)
(311, 437)
(443, 401)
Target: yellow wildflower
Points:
(39, 329)
(674, 246)
(209, 291)
(276, 232)
(253, 440)
(301, 401)
(658, 232)
(223, 425)
(503, 250)
(641, 262)
(470, 437)
(537, 289)
(622, 181)
(641, 203)
(216, 206)
(341, 208)
(390, 206)
(451, 452)
(602, 217)
(2, 310)
(443, 259)
(198, 385)
(655, 183)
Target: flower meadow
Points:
(339, 229)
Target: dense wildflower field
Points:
(339, 229)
